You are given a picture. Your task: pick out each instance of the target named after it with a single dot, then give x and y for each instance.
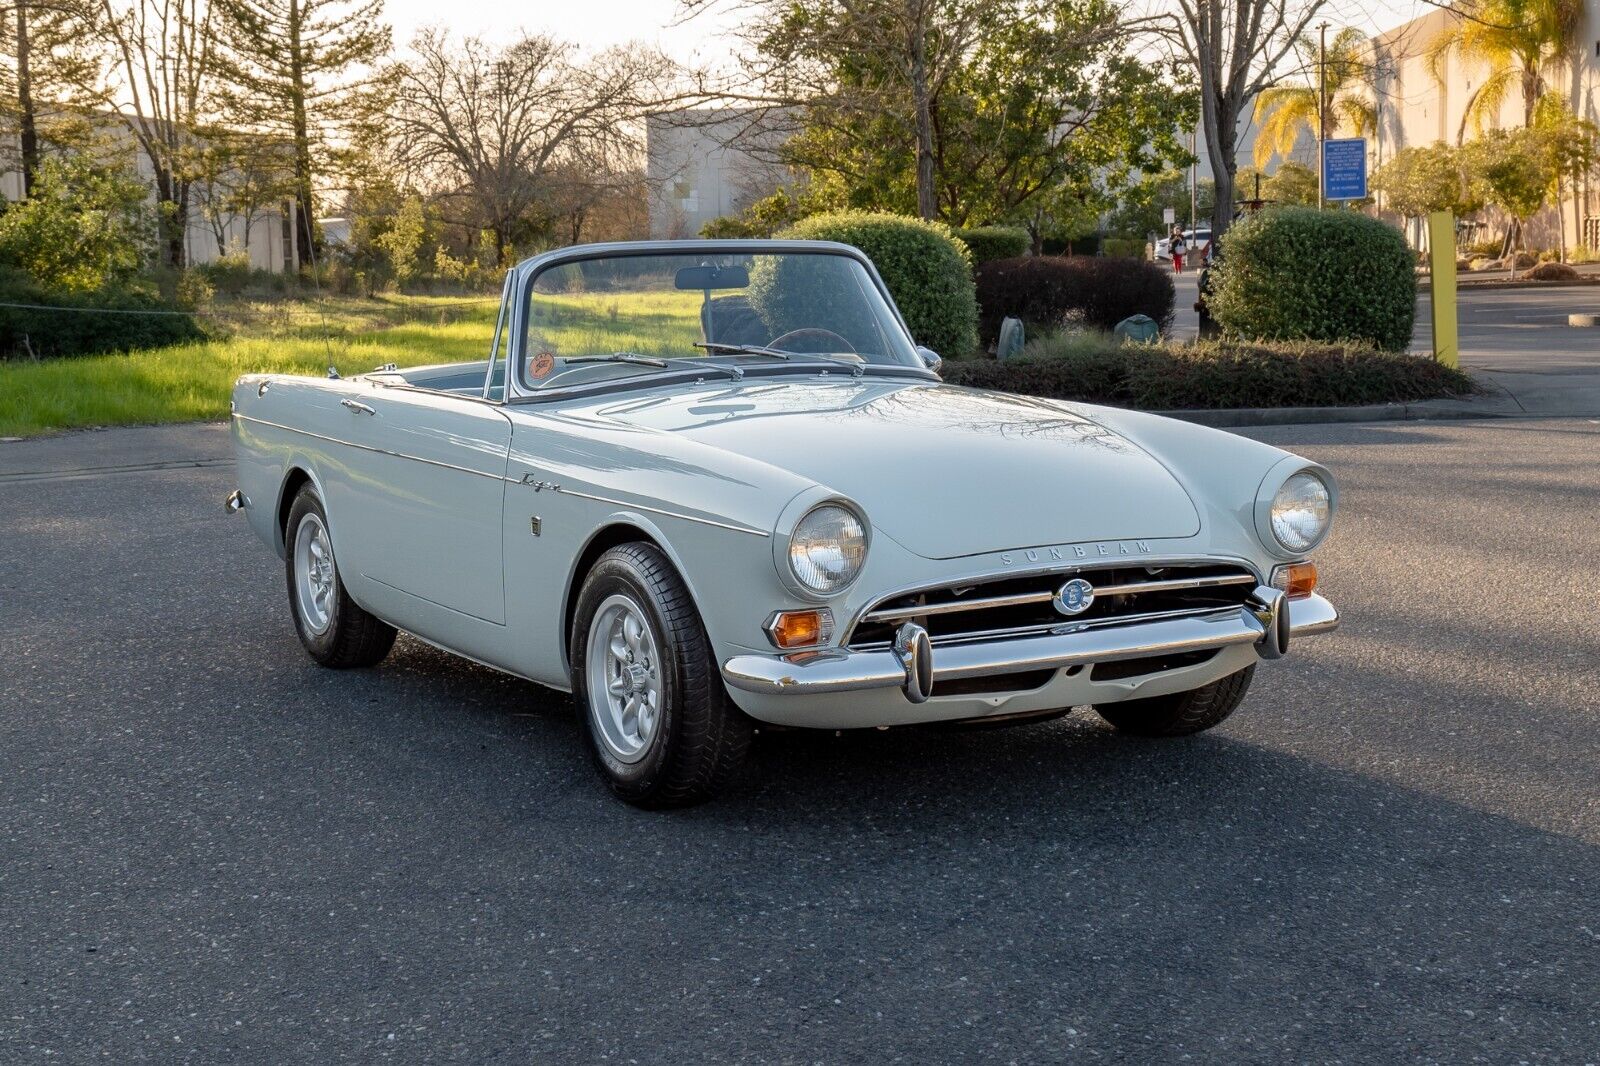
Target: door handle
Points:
(357, 406)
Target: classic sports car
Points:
(707, 484)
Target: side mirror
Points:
(930, 358)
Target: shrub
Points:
(63, 323)
(1053, 291)
(926, 268)
(1295, 273)
(86, 226)
(994, 242)
(1124, 247)
(1218, 374)
(1550, 272)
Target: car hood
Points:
(945, 471)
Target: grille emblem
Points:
(1074, 597)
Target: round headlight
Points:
(827, 548)
(1300, 511)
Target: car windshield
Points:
(617, 317)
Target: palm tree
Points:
(1284, 110)
(1518, 42)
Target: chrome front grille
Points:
(1003, 606)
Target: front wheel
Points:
(1180, 713)
(659, 723)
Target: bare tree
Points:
(1236, 48)
(495, 127)
(162, 60)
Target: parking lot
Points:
(212, 850)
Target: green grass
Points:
(190, 382)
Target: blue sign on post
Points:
(1344, 169)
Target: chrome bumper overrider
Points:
(1269, 622)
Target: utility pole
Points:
(1322, 114)
(1194, 182)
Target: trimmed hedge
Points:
(1054, 291)
(1296, 273)
(994, 242)
(1217, 374)
(928, 272)
(63, 324)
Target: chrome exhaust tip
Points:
(235, 502)
(1271, 608)
(914, 651)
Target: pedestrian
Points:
(1177, 248)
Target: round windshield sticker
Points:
(542, 364)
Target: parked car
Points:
(709, 484)
(1196, 239)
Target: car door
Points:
(428, 500)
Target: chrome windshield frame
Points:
(520, 290)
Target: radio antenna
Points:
(316, 288)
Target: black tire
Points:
(699, 739)
(351, 637)
(1181, 713)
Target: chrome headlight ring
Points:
(820, 545)
(1294, 507)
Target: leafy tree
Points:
(1519, 43)
(1518, 172)
(1291, 183)
(291, 71)
(965, 111)
(1140, 207)
(1419, 181)
(1574, 147)
(86, 227)
(402, 242)
(1283, 111)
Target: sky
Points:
(597, 24)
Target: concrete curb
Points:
(1587, 282)
(1426, 410)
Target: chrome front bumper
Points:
(1269, 622)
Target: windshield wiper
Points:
(856, 368)
(618, 357)
(646, 360)
(743, 349)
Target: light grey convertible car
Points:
(707, 484)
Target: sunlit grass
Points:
(190, 382)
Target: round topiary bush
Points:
(1296, 273)
(994, 242)
(928, 272)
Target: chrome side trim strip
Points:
(370, 448)
(510, 480)
(657, 510)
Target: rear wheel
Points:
(1180, 713)
(335, 630)
(658, 721)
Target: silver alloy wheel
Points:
(624, 671)
(315, 577)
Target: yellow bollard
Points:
(1442, 262)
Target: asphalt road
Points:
(213, 851)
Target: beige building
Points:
(267, 234)
(1416, 109)
(705, 163)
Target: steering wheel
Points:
(835, 342)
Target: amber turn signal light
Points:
(1298, 580)
(800, 629)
